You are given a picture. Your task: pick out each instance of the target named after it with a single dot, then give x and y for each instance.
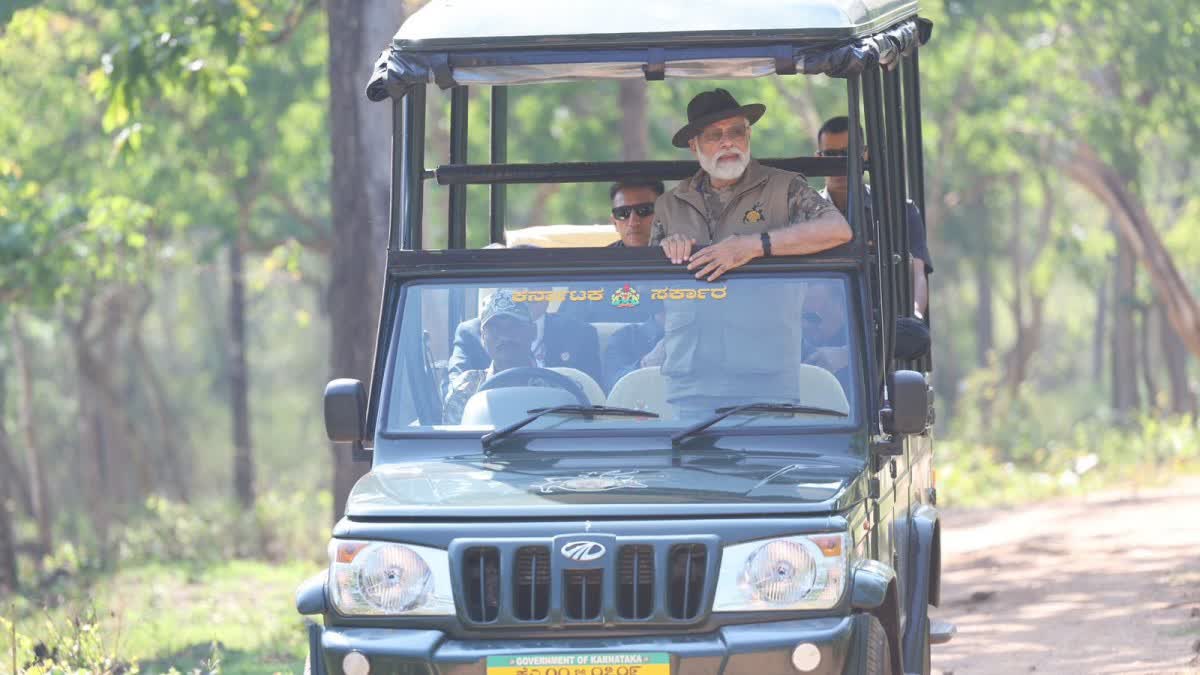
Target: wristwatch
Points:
(766, 244)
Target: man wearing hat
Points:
(507, 331)
(720, 354)
(735, 207)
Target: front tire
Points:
(879, 650)
(874, 649)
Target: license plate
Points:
(653, 663)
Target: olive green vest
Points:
(749, 348)
(759, 203)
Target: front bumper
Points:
(749, 649)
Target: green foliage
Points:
(1016, 448)
(72, 644)
(281, 527)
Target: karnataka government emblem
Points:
(596, 481)
(754, 215)
(626, 297)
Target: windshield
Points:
(479, 356)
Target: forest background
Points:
(193, 198)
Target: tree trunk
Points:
(1103, 181)
(1146, 360)
(9, 579)
(1175, 358)
(173, 437)
(631, 97)
(1124, 347)
(984, 313)
(239, 380)
(1016, 256)
(358, 29)
(10, 470)
(1100, 334)
(38, 489)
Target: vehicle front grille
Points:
(481, 584)
(531, 601)
(525, 582)
(635, 581)
(581, 594)
(687, 580)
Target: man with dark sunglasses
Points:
(633, 210)
(912, 334)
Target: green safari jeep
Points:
(729, 508)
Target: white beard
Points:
(728, 170)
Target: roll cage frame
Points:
(884, 99)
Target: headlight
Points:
(383, 579)
(789, 573)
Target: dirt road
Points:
(1108, 584)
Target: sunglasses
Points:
(835, 152)
(643, 210)
(734, 133)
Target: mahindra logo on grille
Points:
(583, 551)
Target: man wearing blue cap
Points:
(507, 331)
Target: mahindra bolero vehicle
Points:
(726, 503)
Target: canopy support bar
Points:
(854, 159)
(912, 120)
(916, 155)
(499, 156)
(601, 172)
(459, 100)
(894, 111)
(872, 103)
(395, 195)
(413, 160)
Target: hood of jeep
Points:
(527, 483)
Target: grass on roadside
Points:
(235, 617)
(1091, 458)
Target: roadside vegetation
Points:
(201, 588)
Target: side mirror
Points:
(910, 403)
(345, 410)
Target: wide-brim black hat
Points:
(712, 106)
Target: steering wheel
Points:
(535, 377)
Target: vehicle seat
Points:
(643, 389)
(590, 387)
(501, 407)
(559, 236)
(819, 387)
(605, 330)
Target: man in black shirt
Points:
(912, 334)
(633, 210)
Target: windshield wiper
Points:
(589, 411)
(760, 407)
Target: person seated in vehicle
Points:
(632, 214)
(735, 207)
(826, 337)
(912, 334)
(507, 330)
(560, 341)
(638, 345)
